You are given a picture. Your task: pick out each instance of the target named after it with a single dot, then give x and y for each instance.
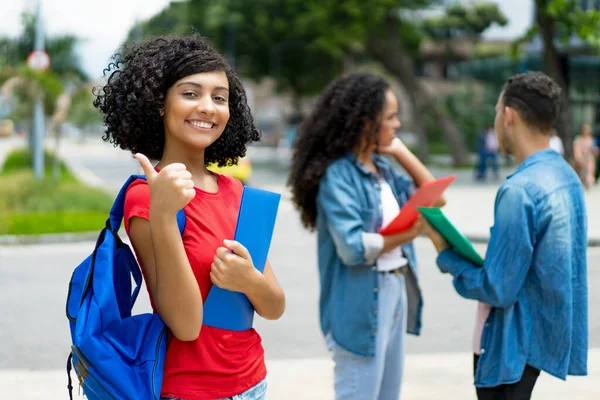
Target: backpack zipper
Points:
(85, 368)
(156, 361)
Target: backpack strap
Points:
(69, 381)
(117, 210)
(114, 223)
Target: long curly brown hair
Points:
(347, 108)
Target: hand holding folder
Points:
(459, 243)
(256, 221)
(427, 195)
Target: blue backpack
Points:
(115, 355)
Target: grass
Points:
(31, 206)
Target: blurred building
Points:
(578, 60)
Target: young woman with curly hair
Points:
(177, 101)
(347, 191)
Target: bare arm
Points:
(577, 153)
(390, 242)
(266, 295)
(166, 267)
(415, 168)
(168, 275)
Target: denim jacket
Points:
(349, 215)
(534, 275)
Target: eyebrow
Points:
(200, 86)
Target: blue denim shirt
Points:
(349, 215)
(534, 275)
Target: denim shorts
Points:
(257, 392)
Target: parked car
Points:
(6, 127)
(241, 171)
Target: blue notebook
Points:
(256, 221)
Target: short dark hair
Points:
(535, 96)
(139, 78)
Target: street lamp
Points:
(38, 110)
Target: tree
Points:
(62, 49)
(391, 31)
(22, 86)
(65, 69)
(305, 44)
(559, 21)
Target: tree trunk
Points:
(418, 125)
(390, 51)
(554, 65)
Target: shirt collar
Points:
(377, 160)
(536, 157)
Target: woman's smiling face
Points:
(196, 109)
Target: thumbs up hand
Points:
(171, 189)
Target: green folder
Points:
(457, 240)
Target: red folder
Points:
(425, 196)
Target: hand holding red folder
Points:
(426, 196)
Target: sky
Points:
(104, 24)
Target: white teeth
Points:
(205, 125)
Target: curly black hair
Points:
(136, 90)
(347, 110)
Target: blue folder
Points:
(256, 221)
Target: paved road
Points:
(34, 329)
(113, 166)
(34, 280)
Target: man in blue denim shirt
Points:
(534, 279)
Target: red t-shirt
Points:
(220, 363)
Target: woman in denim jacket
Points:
(346, 191)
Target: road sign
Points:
(38, 60)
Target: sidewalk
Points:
(471, 210)
(469, 207)
(427, 377)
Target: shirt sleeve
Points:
(337, 201)
(509, 254)
(137, 202)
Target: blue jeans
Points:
(486, 158)
(257, 392)
(379, 377)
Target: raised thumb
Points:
(146, 165)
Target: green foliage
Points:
(31, 206)
(463, 20)
(302, 44)
(31, 85)
(60, 222)
(484, 50)
(472, 107)
(65, 61)
(172, 20)
(20, 161)
(65, 70)
(82, 111)
(572, 20)
(569, 19)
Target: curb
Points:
(59, 238)
(47, 238)
(482, 239)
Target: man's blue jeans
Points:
(379, 377)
